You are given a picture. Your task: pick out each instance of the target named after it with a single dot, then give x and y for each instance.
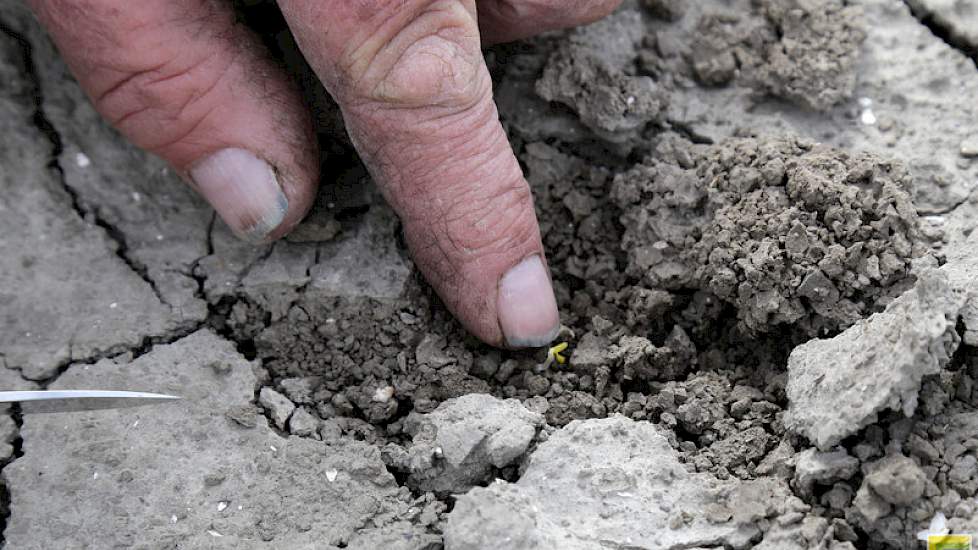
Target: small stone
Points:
(837, 386)
(277, 405)
(591, 352)
(302, 423)
(300, 390)
(838, 497)
(777, 462)
(485, 366)
(458, 444)
(823, 468)
(579, 204)
(535, 384)
(796, 241)
(869, 506)
(431, 351)
(739, 408)
(506, 370)
(214, 479)
(330, 430)
(819, 288)
(244, 415)
(922, 449)
(383, 394)
(969, 147)
(694, 418)
(897, 479)
(537, 404)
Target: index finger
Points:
(417, 100)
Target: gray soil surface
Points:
(759, 216)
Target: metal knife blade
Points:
(45, 401)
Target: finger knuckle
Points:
(434, 70)
(434, 59)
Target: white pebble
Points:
(384, 394)
(867, 117)
(331, 475)
(113, 305)
(221, 506)
(214, 533)
(173, 519)
(82, 160)
(969, 147)
(865, 102)
(938, 526)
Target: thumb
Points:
(416, 97)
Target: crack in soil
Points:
(47, 128)
(943, 31)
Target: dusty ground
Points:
(758, 216)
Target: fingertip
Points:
(526, 305)
(244, 190)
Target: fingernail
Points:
(526, 304)
(244, 191)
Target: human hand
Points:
(182, 80)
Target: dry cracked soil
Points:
(759, 218)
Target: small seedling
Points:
(553, 354)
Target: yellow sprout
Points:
(553, 354)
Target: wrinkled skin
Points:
(182, 80)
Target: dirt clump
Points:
(463, 441)
(564, 495)
(592, 72)
(789, 232)
(838, 385)
(802, 51)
